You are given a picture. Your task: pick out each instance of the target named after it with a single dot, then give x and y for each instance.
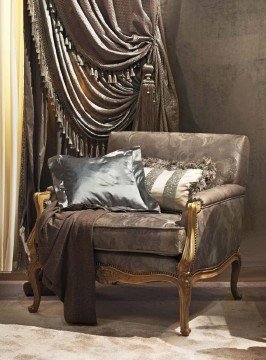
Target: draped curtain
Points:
(104, 66)
(11, 118)
(91, 67)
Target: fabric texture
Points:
(64, 240)
(11, 120)
(159, 234)
(139, 174)
(207, 166)
(219, 232)
(219, 194)
(171, 189)
(138, 263)
(104, 65)
(230, 153)
(173, 183)
(107, 181)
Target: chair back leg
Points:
(236, 266)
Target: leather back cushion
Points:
(229, 152)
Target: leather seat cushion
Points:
(147, 233)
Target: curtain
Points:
(91, 67)
(11, 119)
(104, 67)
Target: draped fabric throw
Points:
(105, 68)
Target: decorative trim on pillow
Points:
(207, 166)
(172, 184)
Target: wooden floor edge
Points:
(14, 276)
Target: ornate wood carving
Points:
(188, 256)
(107, 274)
(34, 264)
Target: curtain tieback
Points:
(147, 97)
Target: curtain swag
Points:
(104, 66)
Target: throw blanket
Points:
(65, 249)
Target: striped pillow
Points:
(171, 189)
(172, 183)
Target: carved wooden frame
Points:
(108, 274)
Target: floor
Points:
(137, 322)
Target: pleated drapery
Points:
(104, 66)
(91, 67)
(11, 118)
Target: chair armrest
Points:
(219, 194)
(214, 228)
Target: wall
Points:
(217, 50)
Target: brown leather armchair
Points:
(182, 249)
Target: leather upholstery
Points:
(229, 152)
(158, 234)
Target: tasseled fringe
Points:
(36, 34)
(51, 8)
(80, 60)
(58, 26)
(73, 140)
(111, 77)
(132, 72)
(81, 147)
(69, 48)
(97, 152)
(79, 143)
(114, 79)
(128, 75)
(146, 101)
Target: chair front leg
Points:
(39, 199)
(35, 284)
(184, 290)
(33, 267)
(185, 266)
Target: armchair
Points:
(182, 249)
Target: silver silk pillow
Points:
(114, 181)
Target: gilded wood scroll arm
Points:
(40, 199)
(189, 252)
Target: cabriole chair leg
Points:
(35, 284)
(236, 266)
(184, 303)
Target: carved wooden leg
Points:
(184, 299)
(236, 266)
(35, 284)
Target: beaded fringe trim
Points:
(75, 140)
